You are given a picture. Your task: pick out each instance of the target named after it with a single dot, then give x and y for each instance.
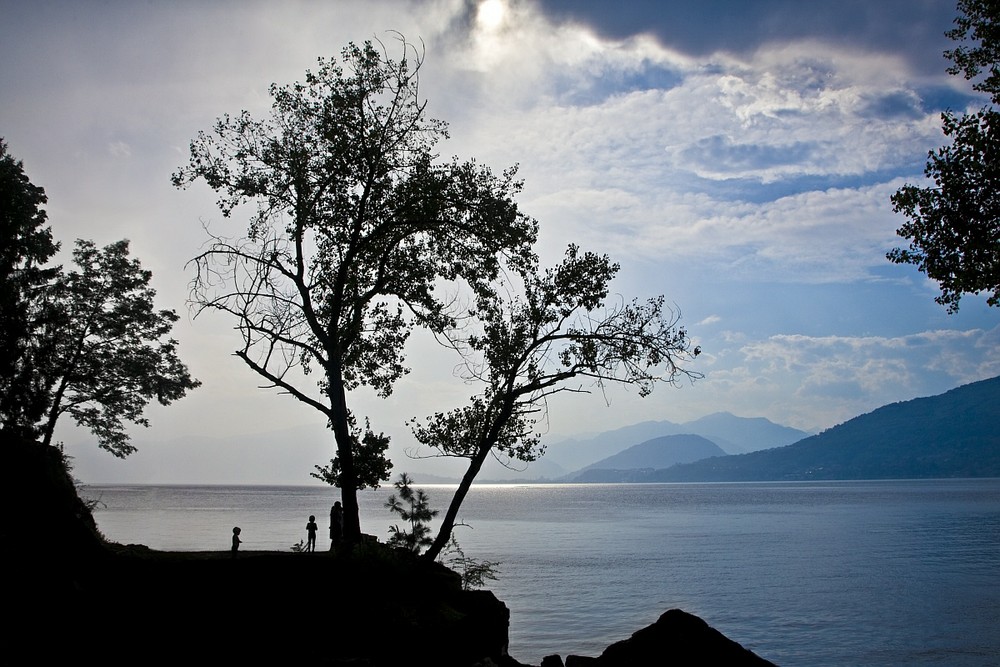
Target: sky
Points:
(737, 157)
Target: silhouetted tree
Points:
(26, 246)
(954, 225)
(87, 342)
(528, 341)
(111, 353)
(356, 223)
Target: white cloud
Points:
(819, 381)
(657, 173)
(773, 166)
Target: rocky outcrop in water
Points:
(677, 638)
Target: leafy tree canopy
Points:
(979, 23)
(552, 332)
(370, 462)
(26, 245)
(112, 352)
(954, 225)
(86, 342)
(354, 225)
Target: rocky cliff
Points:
(75, 597)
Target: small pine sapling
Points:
(412, 506)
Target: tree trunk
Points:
(349, 494)
(345, 452)
(448, 523)
(50, 423)
(489, 437)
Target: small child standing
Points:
(311, 529)
(236, 540)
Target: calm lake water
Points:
(824, 573)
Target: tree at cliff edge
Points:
(541, 333)
(88, 342)
(354, 224)
(26, 245)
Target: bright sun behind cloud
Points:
(490, 15)
(492, 35)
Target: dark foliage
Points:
(110, 353)
(414, 507)
(357, 224)
(538, 334)
(87, 342)
(371, 466)
(26, 245)
(954, 225)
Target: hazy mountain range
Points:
(955, 434)
(564, 460)
(734, 435)
(638, 460)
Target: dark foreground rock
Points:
(70, 596)
(677, 638)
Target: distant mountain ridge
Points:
(733, 434)
(564, 458)
(662, 452)
(955, 434)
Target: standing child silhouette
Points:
(236, 540)
(311, 529)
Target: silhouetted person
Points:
(336, 525)
(236, 540)
(311, 529)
